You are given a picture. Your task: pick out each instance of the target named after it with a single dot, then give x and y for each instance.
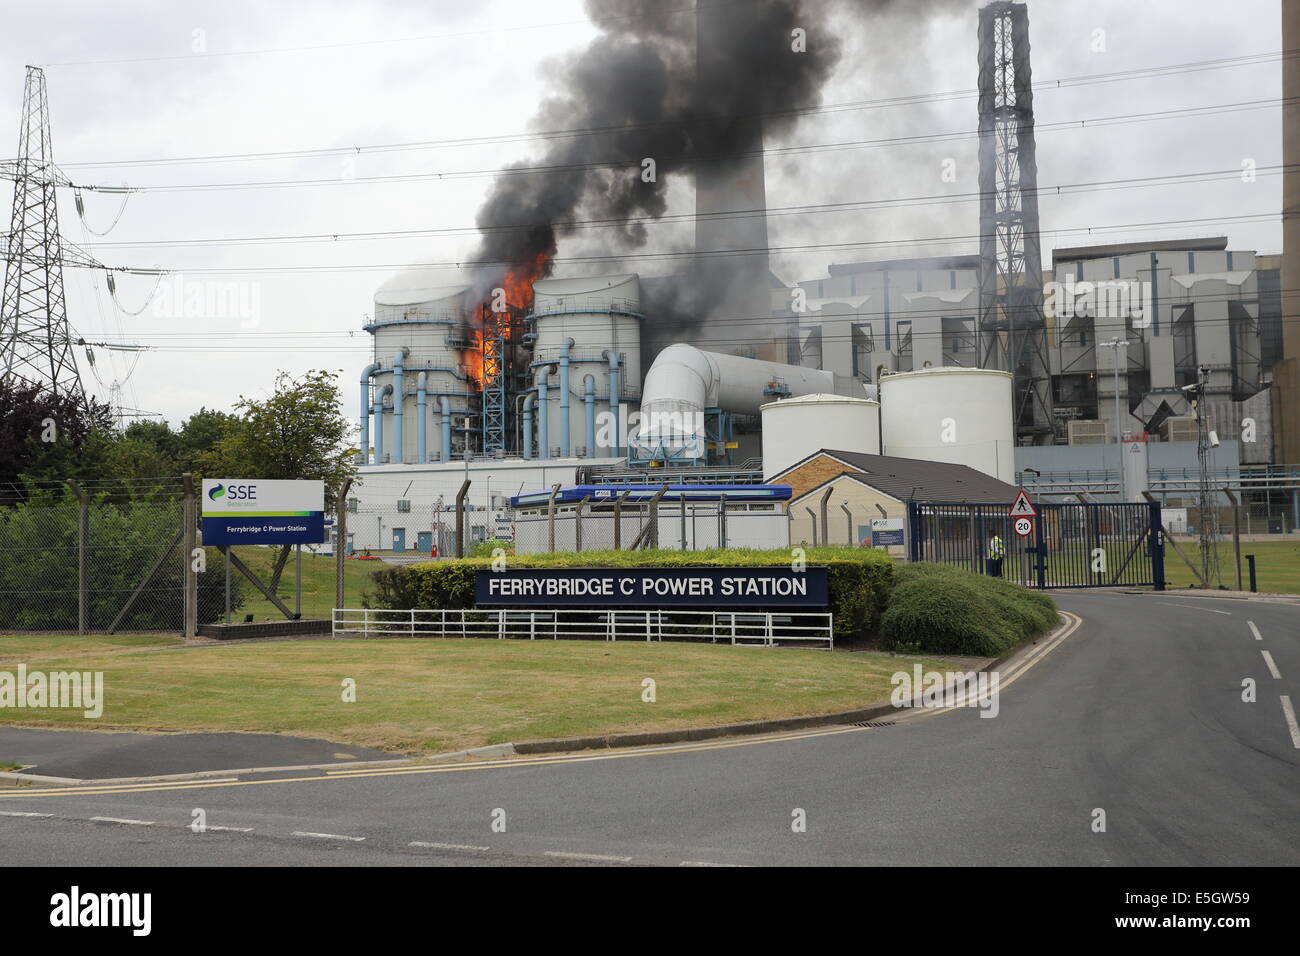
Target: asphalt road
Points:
(1138, 714)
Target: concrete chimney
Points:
(733, 189)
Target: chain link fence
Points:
(105, 562)
(423, 530)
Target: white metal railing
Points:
(755, 628)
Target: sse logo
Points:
(234, 492)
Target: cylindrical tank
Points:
(959, 415)
(795, 428)
(431, 324)
(583, 327)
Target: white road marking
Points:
(1289, 713)
(327, 836)
(123, 820)
(588, 856)
(1193, 607)
(1254, 630)
(704, 863)
(18, 813)
(448, 846)
(1272, 668)
(231, 829)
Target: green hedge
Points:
(859, 579)
(939, 609)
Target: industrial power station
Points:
(1042, 377)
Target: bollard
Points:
(1250, 563)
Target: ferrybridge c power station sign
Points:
(651, 587)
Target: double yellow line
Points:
(333, 775)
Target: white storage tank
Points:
(586, 336)
(959, 415)
(420, 335)
(794, 428)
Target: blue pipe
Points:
(589, 396)
(422, 427)
(364, 406)
(399, 399)
(444, 404)
(528, 424)
(543, 427)
(379, 422)
(614, 361)
(566, 439)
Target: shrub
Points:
(939, 609)
(859, 580)
(484, 549)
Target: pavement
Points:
(1136, 722)
(91, 755)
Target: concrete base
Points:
(230, 632)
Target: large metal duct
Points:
(685, 381)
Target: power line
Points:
(1064, 189)
(739, 253)
(667, 163)
(850, 105)
(907, 317)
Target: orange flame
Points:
(518, 287)
(518, 281)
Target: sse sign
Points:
(651, 587)
(252, 511)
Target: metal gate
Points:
(1072, 545)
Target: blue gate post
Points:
(1157, 537)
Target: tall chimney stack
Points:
(730, 200)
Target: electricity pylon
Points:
(35, 344)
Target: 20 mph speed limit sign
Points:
(1024, 527)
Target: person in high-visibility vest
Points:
(997, 551)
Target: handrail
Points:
(738, 628)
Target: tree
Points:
(201, 433)
(45, 435)
(299, 432)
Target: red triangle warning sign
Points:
(1023, 508)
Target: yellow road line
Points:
(919, 713)
(442, 768)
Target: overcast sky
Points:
(169, 81)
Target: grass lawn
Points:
(1277, 565)
(425, 696)
(24, 647)
(317, 583)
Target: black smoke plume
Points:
(645, 88)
